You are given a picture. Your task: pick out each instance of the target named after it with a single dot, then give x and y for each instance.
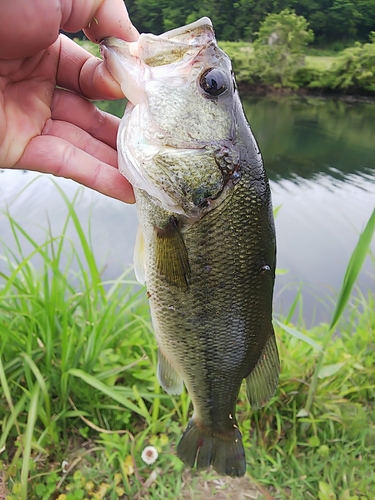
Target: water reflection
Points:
(304, 137)
(317, 228)
(320, 157)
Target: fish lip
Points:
(188, 36)
(110, 41)
(103, 49)
(115, 44)
(194, 26)
(170, 34)
(105, 45)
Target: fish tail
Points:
(202, 446)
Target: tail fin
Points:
(201, 445)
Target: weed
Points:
(79, 400)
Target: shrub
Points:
(278, 50)
(355, 68)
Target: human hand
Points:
(56, 130)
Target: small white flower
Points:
(64, 466)
(149, 455)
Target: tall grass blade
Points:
(5, 386)
(298, 335)
(6, 390)
(108, 391)
(296, 300)
(28, 438)
(355, 265)
(11, 420)
(41, 382)
(89, 256)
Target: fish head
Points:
(176, 140)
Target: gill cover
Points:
(180, 114)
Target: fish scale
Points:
(206, 245)
(220, 343)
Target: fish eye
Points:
(214, 82)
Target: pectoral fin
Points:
(139, 257)
(168, 378)
(172, 261)
(262, 382)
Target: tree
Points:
(343, 19)
(355, 68)
(250, 13)
(331, 20)
(278, 50)
(147, 15)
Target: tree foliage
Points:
(279, 35)
(339, 21)
(278, 50)
(354, 69)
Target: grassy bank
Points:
(79, 399)
(350, 71)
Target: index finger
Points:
(84, 73)
(105, 18)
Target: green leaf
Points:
(108, 391)
(299, 335)
(276, 210)
(326, 492)
(281, 271)
(314, 441)
(358, 366)
(329, 370)
(302, 413)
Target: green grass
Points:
(79, 398)
(322, 52)
(320, 63)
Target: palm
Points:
(59, 131)
(26, 91)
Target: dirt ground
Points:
(215, 488)
(3, 493)
(212, 487)
(221, 488)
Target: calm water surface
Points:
(320, 158)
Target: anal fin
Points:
(262, 382)
(172, 259)
(168, 378)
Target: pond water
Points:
(320, 158)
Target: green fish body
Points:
(206, 246)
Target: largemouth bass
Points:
(206, 243)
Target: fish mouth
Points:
(177, 56)
(132, 63)
(124, 66)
